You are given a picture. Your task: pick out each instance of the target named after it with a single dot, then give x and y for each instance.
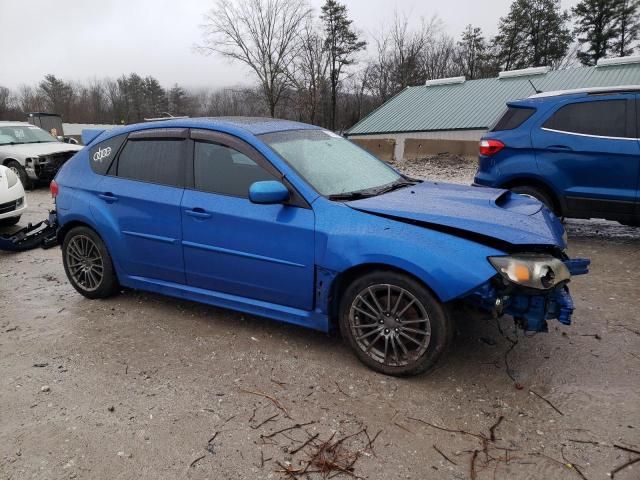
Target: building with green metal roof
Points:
(446, 111)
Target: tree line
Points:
(317, 67)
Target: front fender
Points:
(450, 266)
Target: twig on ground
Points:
(443, 455)
(623, 466)
(264, 421)
(545, 400)
(293, 427)
(472, 468)
(196, 461)
(492, 430)
(309, 440)
(268, 397)
(477, 435)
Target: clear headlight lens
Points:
(532, 270)
(12, 178)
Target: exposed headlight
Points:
(541, 272)
(12, 178)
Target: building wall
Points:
(460, 142)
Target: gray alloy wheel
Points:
(390, 324)
(85, 263)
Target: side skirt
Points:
(310, 319)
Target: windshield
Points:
(24, 134)
(330, 163)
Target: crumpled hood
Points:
(38, 149)
(481, 212)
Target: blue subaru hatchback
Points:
(576, 151)
(292, 222)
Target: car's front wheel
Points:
(88, 264)
(394, 324)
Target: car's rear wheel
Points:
(20, 172)
(394, 324)
(8, 222)
(88, 264)
(536, 193)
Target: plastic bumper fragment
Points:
(41, 235)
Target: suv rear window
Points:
(513, 118)
(603, 118)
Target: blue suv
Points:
(292, 222)
(575, 151)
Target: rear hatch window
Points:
(513, 118)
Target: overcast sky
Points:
(80, 39)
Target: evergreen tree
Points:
(534, 33)
(596, 27)
(472, 49)
(628, 26)
(342, 43)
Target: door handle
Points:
(108, 197)
(560, 148)
(198, 213)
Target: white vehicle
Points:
(13, 202)
(32, 153)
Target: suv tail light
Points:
(54, 188)
(490, 147)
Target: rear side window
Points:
(221, 169)
(605, 118)
(101, 155)
(513, 118)
(155, 160)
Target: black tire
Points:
(82, 252)
(9, 222)
(389, 352)
(21, 172)
(538, 194)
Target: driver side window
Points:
(224, 170)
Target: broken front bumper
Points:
(42, 234)
(530, 308)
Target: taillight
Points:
(54, 188)
(490, 147)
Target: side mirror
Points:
(268, 192)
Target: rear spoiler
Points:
(90, 134)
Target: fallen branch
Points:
(443, 455)
(547, 401)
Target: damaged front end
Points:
(531, 288)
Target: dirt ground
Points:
(144, 386)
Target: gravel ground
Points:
(144, 386)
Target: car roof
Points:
(5, 123)
(589, 91)
(251, 125)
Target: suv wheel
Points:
(537, 194)
(88, 264)
(20, 172)
(394, 324)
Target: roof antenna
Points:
(533, 86)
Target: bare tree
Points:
(262, 34)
